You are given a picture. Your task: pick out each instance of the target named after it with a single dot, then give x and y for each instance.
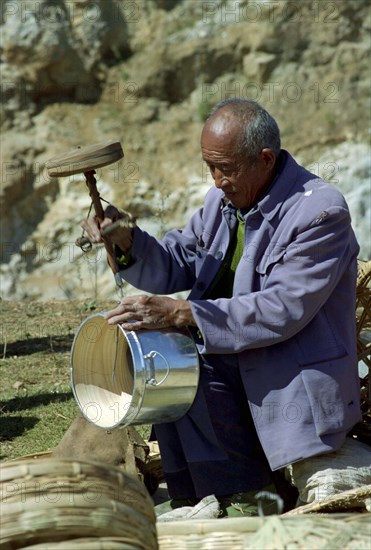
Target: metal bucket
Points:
(123, 377)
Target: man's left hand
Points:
(151, 312)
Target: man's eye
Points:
(222, 168)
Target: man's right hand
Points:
(121, 235)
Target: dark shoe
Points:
(172, 504)
(246, 504)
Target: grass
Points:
(36, 401)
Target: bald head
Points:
(252, 127)
(224, 123)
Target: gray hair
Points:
(259, 129)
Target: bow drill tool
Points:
(85, 160)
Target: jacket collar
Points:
(271, 202)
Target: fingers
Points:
(138, 312)
(122, 235)
(151, 312)
(125, 311)
(128, 318)
(91, 227)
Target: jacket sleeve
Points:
(296, 287)
(166, 266)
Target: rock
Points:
(348, 166)
(37, 40)
(147, 73)
(56, 48)
(259, 65)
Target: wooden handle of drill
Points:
(91, 182)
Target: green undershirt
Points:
(222, 285)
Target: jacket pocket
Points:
(317, 342)
(332, 393)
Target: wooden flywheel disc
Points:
(85, 159)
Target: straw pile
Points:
(66, 504)
(352, 500)
(271, 533)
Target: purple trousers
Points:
(214, 448)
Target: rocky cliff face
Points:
(77, 72)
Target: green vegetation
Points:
(36, 401)
(204, 109)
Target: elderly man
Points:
(270, 262)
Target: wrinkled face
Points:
(241, 181)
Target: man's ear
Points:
(268, 157)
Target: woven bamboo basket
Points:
(48, 501)
(363, 316)
(103, 543)
(151, 473)
(340, 532)
(33, 456)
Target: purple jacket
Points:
(291, 319)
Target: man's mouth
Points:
(229, 194)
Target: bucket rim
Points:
(138, 363)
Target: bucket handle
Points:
(152, 372)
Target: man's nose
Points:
(219, 178)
